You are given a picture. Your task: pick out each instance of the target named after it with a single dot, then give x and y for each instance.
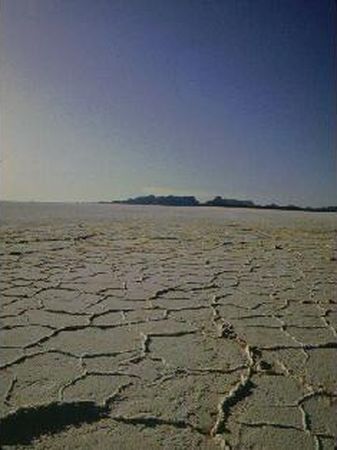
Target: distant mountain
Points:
(169, 200)
(174, 200)
(219, 201)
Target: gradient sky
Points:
(105, 99)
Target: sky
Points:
(107, 99)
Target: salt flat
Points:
(167, 328)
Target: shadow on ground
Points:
(27, 424)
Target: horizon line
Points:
(201, 204)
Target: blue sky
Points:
(107, 99)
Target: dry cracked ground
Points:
(169, 334)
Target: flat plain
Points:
(167, 328)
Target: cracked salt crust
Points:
(186, 333)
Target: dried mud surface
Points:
(169, 333)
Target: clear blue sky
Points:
(105, 99)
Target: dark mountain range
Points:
(174, 200)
